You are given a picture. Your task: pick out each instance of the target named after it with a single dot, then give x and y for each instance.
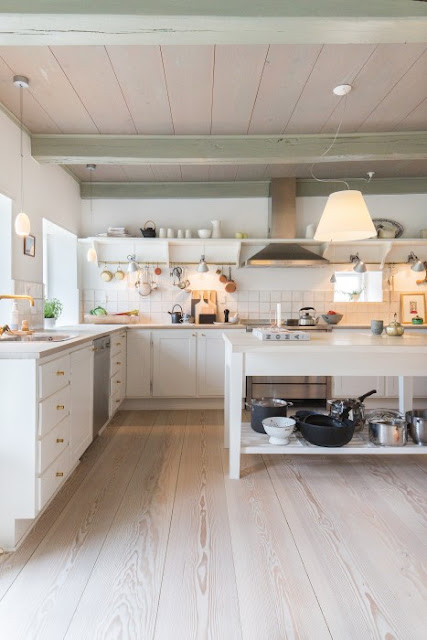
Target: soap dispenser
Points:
(14, 317)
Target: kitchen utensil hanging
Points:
(230, 286)
(144, 286)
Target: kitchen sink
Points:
(39, 337)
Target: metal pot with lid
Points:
(307, 319)
(394, 328)
(267, 408)
(387, 428)
(350, 409)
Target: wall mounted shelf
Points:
(224, 251)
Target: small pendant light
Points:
(359, 265)
(22, 221)
(416, 264)
(202, 267)
(92, 256)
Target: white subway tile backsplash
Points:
(264, 307)
(253, 296)
(243, 296)
(264, 296)
(276, 296)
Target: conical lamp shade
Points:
(92, 256)
(345, 217)
(22, 224)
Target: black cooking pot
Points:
(176, 316)
(267, 408)
(325, 431)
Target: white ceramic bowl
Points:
(204, 233)
(233, 319)
(279, 429)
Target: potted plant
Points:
(52, 311)
(354, 295)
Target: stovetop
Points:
(262, 322)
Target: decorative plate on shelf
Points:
(388, 226)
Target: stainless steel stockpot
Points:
(417, 425)
(388, 433)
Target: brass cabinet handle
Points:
(60, 407)
(60, 373)
(94, 349)
(118, 382)
(118, 344)
(118, 363)
(59, 474)
(59, 440)
(194, 335)
(203, 335)
(117, 401)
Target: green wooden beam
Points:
(307, 188)
(78, 22)
(228, 150)
(174, 190)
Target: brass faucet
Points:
(12, 297)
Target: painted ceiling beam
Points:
(228, 150)
(78, 22)
(96, 190)
(256, 189)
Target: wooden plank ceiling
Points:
(222, 89)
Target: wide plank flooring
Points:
(150, 539)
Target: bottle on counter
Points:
(14, 317)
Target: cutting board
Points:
(198, 307)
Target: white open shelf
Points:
(253, 442)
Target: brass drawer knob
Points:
(118, 363)
(117, 401)
(118, 344)
(60, 373)
(59, 440)
(59, 474)
(60, 407)
(94, 349)
(118, 382)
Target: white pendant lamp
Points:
(92, 256)
(202, 267)
(22, 221)
(345, 217)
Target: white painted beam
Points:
(174, 190)
(228, 150)
(50, 22)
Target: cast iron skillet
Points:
(323, 430)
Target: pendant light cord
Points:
(329, 148)
(21, 111)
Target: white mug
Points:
(180, 233)
(162, 233)
(188, 233)
(310, 230)
(171, 233)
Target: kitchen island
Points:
(325, 354)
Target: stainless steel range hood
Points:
(282, 224)
(285, 255)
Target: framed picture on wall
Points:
(30, 246)
(411, 306)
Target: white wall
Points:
(249, 215)
(49, 192)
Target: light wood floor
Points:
(150, 539)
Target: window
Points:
(358, 287)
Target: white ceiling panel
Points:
(91, 75)
(189, 73)
(237, 76)
(140, 73)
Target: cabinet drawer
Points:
(53, 477)
(117, 362)
(118, 343)
(53, 376)
(115, 402)
(52, 445)
(53, 410)
(117, 383)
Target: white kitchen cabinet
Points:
(81, 394)
(355, 386)
(210, 363)
(174, 363)
(138, 364)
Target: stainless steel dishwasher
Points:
(101, 383)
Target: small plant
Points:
(354, 295)
(52, 308)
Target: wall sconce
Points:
(416, 264)
(358, 265)
(133, 266)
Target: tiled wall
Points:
(247, 303)
(33, 314)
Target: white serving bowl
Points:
(279, 429)
(204, 233)
(233, 319)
